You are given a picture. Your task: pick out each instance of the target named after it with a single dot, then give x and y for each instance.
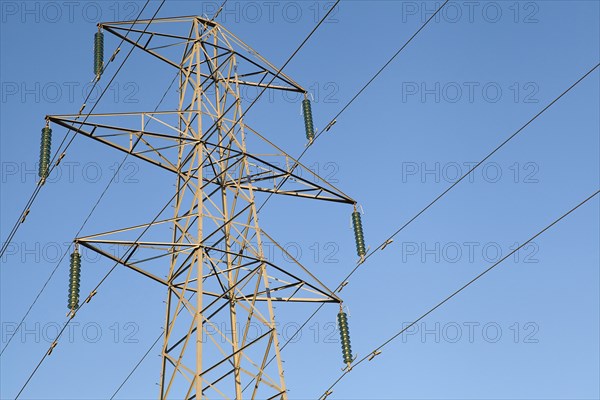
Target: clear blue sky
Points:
(529, 329)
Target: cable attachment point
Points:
(92, 294)
(60, 158)
(326, 395)
(112, 58)
(52, 346)
(343, 285)
(330, 125)
(25, 214)
(387, 243)
(374, 354)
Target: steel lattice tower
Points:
(220, 285)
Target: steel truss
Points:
(220, 285)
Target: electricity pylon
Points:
(220, 331)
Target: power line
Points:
(387, 241)
(60, 153)
(476, 166)
(110, 182)
(126, 257)
(38, 187)
(456, 292)
(388, 62)
(437, 198)
(138, 364)
(72, 315)
(135, 367)
(362, 89)
(103, 192)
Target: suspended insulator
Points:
(345, 337)
(74, 277)
(308, 120)
(45, 152)
(98, 53)
(358, 234)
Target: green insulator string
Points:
(345, 337)
(74, 278)
(308, 119)
(98, 53)
(358, 234)
(45, 147)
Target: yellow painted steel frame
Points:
(216, 250)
